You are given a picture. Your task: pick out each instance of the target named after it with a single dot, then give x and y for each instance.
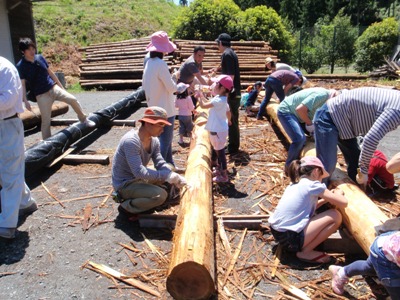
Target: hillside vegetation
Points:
(63, 26)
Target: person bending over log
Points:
(34, 70)
(279, 82)
(368, 111)
(294, 224)
(137, 187)
(273, 66)
(299, 109)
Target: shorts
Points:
(185, 125)
(218, 139)
(289, 240)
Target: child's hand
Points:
(198, 94)
(229, 123)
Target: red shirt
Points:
(377, 166)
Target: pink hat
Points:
(160, 43)
(155, 115)
(225, 80)
(313, 161)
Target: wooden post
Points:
(33, 118)
(361, 214)
(191, 273)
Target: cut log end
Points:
(190, 280)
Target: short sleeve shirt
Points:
(217, 120)
(297, 206)
(312, 98)
(188, 69)
(36, 74)
(286, 77)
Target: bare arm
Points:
(27, 104)
(54, 77)
(393, 165)
(200, 78)
(335, 197)
(204, 103)
(287, 88)
(302, 111)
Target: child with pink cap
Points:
(219, 119)
(294, 223)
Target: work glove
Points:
(176, 179)
(310, 128)
(362, 179)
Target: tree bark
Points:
(191, 273)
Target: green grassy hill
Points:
(63, 26)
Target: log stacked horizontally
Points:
(119, 65)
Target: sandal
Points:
(319, 259)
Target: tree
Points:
(205, 19)
(311, 11)
(290, 9)
(377, 41)
(183, 2)
(262, 23)
(245, 4)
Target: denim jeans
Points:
(387, 271)
(234, 132)
(293, 129)
(271, 85)
(166, 141)
(327, 139)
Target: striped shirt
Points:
(368, 111)
(131, 159)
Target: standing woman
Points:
(299, 108)
(160, 88)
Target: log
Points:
(359, 222)
(88, 159)
(61, 122)
(33, 118)
(191, 272)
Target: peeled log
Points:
(33, 118)
(191, 272)
(361, 214)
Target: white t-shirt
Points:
(217, 120)
(297, 206)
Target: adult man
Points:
(368, 111)
(192, 68)
(270, 64)
(15, 195)
(45, 85)
(137, 186)
(230, 66)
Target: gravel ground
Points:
(46, 258)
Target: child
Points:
(185, 106)
(251, 100)
(219, 119)
(294, 223)
(383, 261)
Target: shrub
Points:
(377, 41)
(262, 23)
(205, 19)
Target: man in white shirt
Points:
(15, 197)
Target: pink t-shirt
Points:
(185, 106)
(391, 248)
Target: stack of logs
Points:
(119, 65)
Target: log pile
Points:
(390, 70)
(119, 65)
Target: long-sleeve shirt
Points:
(368, 111)
(10, 101)
(159, 86)
(131, 159)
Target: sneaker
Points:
(216, 171)
(28, 210)
(221, 178)
(337, 281)
(89, 123)
(7, 233)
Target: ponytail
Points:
(295, 171)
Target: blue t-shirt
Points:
(36, 74)
(297, 206)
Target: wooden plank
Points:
(87, 158)
(62, 156)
